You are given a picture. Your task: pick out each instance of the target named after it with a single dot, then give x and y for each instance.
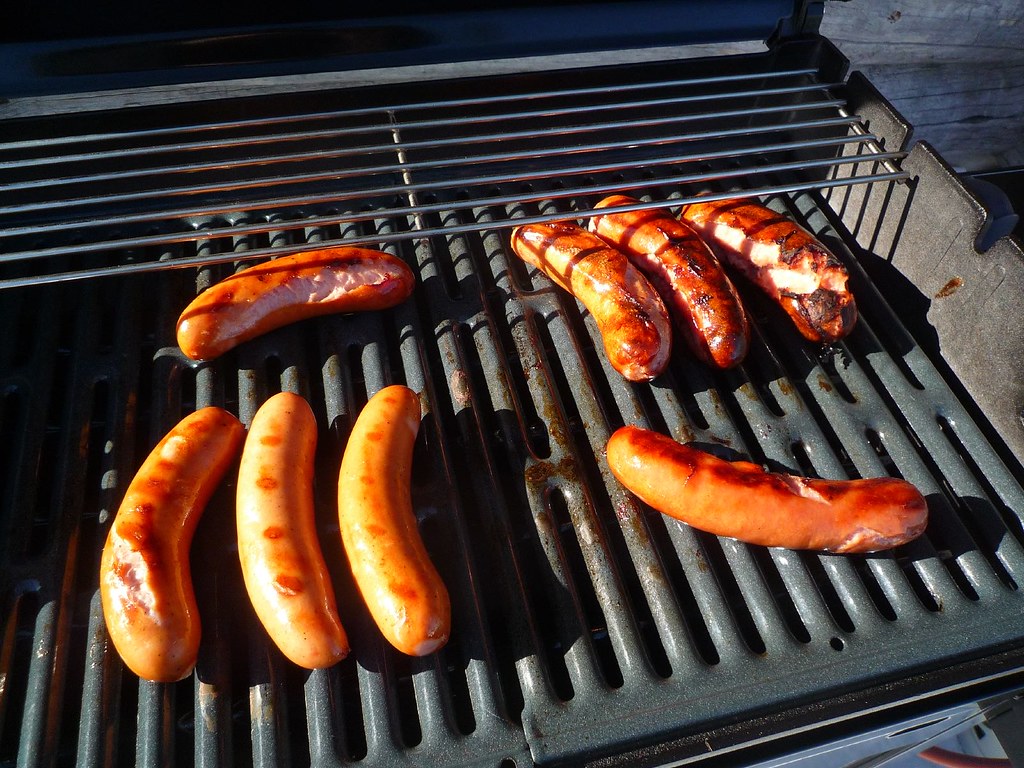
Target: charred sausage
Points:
(149, 605)
(282, 564)
(390, 564)
(700, 297)
(743, 501)
(286, 290)
(632, 319)
(787, 262)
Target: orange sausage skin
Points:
(742, 501)
(390, 564)
(700, 297)
(146, 589)
(630, 315)
(288, 289)
(784, 260)
(282, 564)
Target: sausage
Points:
(700, 297)
(282, 564)
(394, 574)
(292, 288)
(785, 261)
(743, 501)
(149, 605)
(632, 319)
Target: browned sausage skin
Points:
(788, 263)
(631, 317)
(742, 501)
(700, 297)
(145, 583)
(286, 290)
(282, 564)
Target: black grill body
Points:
(586, 627)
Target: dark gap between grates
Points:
(874, 589)
(16, 659)
(493, 536)
(781, 594)
(21, 332)
(349, 704)
(593, 617)
(984, 520)
(509, 342)
(924, 595)
(695, 623)
(622, 561)
(826, 589)
(733, 596)
(804, 465)
(13, 428)
(405, 699)
(540, 602)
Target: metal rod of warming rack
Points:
(487, 100)
(405, 166)
(448, 229)
(401, 188)
(416, 164)
(189, 168)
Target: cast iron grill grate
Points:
(584, 623)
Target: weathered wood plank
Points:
(954, 69)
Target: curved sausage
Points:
(700, 297)
(392, 569)
(282, 564)
(632, 319)
(787, 262)
(286, 290)
(742, 501)
(145, 583)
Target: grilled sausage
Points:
(391, 566)
(632, 319)
(282, 564)
(145, 583)
(785, 261)
(700, 297)
(285, 290)
(742, 501)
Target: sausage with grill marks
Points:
(742, 501)
(630, 315)
(282, 564)
(788, 263)
(700, 297)
(288, 289)
(149, 605)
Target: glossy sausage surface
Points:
(788, 263)
(146, 589)
(630, 315)
(282, 564)
(390, 564)
(700, 297)
(742, 501)
(286, 290)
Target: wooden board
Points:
(953, 68)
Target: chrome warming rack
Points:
(84, 201)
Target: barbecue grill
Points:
(587, 628)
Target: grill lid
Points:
(73, 48)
